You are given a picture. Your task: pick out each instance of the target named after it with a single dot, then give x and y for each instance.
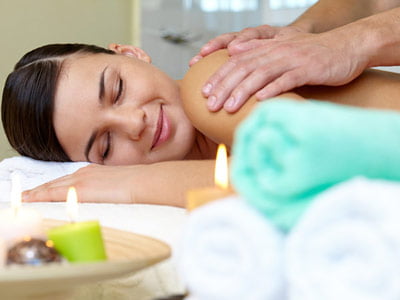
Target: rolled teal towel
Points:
(286, 152)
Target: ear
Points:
(131, 51)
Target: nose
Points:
(130, 121)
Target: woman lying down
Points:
(150, 138)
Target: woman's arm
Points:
(162, 183)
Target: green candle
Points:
(78, 241)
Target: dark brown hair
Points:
(28, 100)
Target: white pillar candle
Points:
(18, 222)
(15, 226)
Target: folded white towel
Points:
(32, 172)
(230, 251)
(347, 244)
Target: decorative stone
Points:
(32, 252)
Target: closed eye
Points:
(120, 89)
(107, 148)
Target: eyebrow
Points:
(101, 85)
(101, 100)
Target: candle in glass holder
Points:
(78, 241)
(18, 222)
(198, 197)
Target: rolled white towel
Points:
(347, 244)
(32, 172)
(230, 251)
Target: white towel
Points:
(347, 244)
(32, 172)
(230, 251)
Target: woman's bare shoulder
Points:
(208, 65)
(197, 75)
(218, 126)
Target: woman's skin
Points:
(132, 111)
(163, 182)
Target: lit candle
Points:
(18, 222)
(198, 197)
(78, 241)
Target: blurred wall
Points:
(26, 24)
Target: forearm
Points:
(368, 42)
(374, 41)
(329, 14)
(383, 31)
(166, 183)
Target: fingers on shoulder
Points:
(286, 82)
(217, 43)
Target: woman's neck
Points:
(203, 148)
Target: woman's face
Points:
(119, 110)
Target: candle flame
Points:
(72, 204)
(15, 193)
(221, 168)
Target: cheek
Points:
(125, 153)
(185, 136)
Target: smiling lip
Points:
(162, 130)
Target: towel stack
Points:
(329, 236)
(345, 246)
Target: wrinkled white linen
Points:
(32, 172)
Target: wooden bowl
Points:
(127, 253)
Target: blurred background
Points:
(171, 31)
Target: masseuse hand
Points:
(268, 67)
(94, 183)
(233, 40)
